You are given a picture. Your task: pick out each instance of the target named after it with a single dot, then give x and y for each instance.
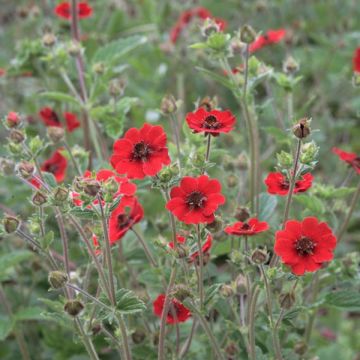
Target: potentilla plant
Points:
(242, 256)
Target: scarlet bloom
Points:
(211, 122)
(196, 199)
(248, 228)
(63, 10)
(356, 60)
(128, 213)
(305, 245)
(278, 184)
(141, 152)
(350, 158)
(49, 117)
(270, 37)
(72, 121)
(13, 119)
(177, 311)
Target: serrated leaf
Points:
(6, 326)
(128, 303)
(49, 179)
(59, 96)
(345, 299)
(8, 261)
(86, 214)
(211, 292)
(116, 49)
(115, 204)
(267, 204)
(30, 313)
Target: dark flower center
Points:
(141, 152)
(123, 221)
(285, 185)
(305, 246)
(51, 168)
(245, 226)
(196, 200)
(211, 122)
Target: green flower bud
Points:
(226, 291)
(15, 149)
(61, 195)
(309, 152)
(181, 292)
(57, 279)
(285, 160)
(290, 66)
(241, 285)
(247, 34)
(356, 79)
(98, 68)
(35, 144)
(218, 41)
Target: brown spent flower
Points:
(91, 187)
(168, 105)
(74, 307)
(242, 213)
(259, 256)
(302, 129)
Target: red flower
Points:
(128, 213)
(356, 60)
(177, 311)
(306, 245)
(49, 117)
(211, 122)
(72, 121)
(204, 249)
(196, 199)
(12, 119)
(63, 10)
(271, 37)
(250, 227)
(180, 240)
(141, 152)
(56, 165)
(350, 158)
(278, 184)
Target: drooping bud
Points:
(302, 129)
(60, 195)
(25, 169)
(247, 34)
(39, 198)
(74, 307)
(226, 290)
(290, 66)
(168, 105)
(16, 136)
(287, 300)
(56, 134)
(216, 225)
(259, 256)
(57, 279)
(13, 119)
(181, 292)
(11, 224)
(242, 213)
(241, 284)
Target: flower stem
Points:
(145, 247)
(76, 166)
(246, 70)
(251, 322)
(174, 123)
(87, 341)
(201, 264)
(208, 146)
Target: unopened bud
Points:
(241, 285)
(232, 181)
(138, 336)
(13, 119)
(237, 46)
(356, 79)
(247, 34)
(48, 39)
(208, 103)
(165, 175)
(290, 66)
(111, 186)
(56, 134)
(74, 307)
(242, 213)
(17, 136)
(25, 169)
(11, 224)
(309, 152)
(181, 292)
(242, 162)
(99, 68)
(91, 187)
(39, 198)
(285, 160)
(259, 256)
(57, 279)
(61, 195)
(300, 348)
(117, 87)
(287, 300)
(302, 129)
(226, 291)
(74, 49)
(209, 27)
(216, 225)
(168, 105)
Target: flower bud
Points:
(247, 34)
(165, 175)
(57, 279)
(208, 103)
(231, 350)
(290, 66)
(91, 187)
(36, 144)
(39, 198)
(241, 285)
(181, 292)
(259, 256)
(168, 105)
(74, 307)
(232, 181)
(11, 224)
(309, 152)
(111, 186)
(237, 46)
(74, 49)
(7, 167)
(302, 129)
(216, 225)
(226, 291)
(25, 169)
(287, 300)
(242, 213)
(16, 136)
(15, 149)
(138, 336)
(12, 119)
(48, 39)
(95, 329)
(56, 134)
(78, 184)
(300, 348)
(209, 27)
(98, 68)
(218, 41)
(61, 195)
(285, 160)
(117, 87)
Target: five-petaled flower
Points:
(270, 37)
(177, 311)
(356, 60)
(128, 213)
(63, 10)
(195, 200)
(278, 184)
(350, 158)
(305, 245)
(141, 152)
(247, 228)
(211, 122)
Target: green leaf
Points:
(311, 203)
(114, 50)
(86, 214)
(47, 240)
(115, 204)
(211, 292)
(59, 96)
(9, 260)
(128, 303)
(50, 179)
(30, 313)
(6, 326)
(268, 204)
(344, 299)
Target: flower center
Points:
(141, 152)
(211, 122)
(285, 185)
(51, 168)
(305, 246)
(123, 221)
(196, 200)
(246, 226)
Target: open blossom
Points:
(278, 184)
(51, 118)
(141, 152)
(195, 200)
(63, 10)
(211, 122)
(305, 245)
(177, 311)
(269, 38)
(247, 228)
(128, 213)
(350, 158)
(356, 60)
